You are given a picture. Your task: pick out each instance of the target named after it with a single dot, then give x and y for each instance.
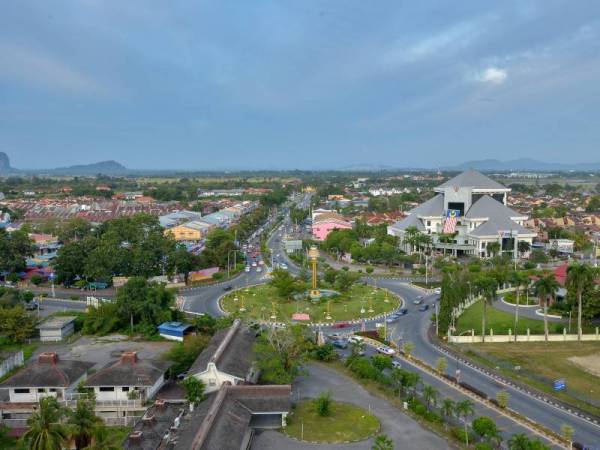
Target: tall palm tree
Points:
(493, 248)
(103, 439)
(519, 441)
(579, 276)
(448, 408)
(82, 422)
(545, 288)
(411, 235)
(431, 395)
(517, 279)
(464, 409)
(486, 285)
(45, 430)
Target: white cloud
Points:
(493, 75)
(29, 66)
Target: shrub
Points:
(217, 276)
(325, 353)
(323, 404)
(381, 362)
(369, 270)
(459, 434)
(36, 279)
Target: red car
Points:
(341, 325)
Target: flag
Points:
(450, 222)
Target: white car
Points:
(355, 339)
(247, 269)
(258, 269)
(437, 290)
(386, 350)
(254, 264)
(283, 266)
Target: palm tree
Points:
(545, 288)
(448, 408)
(431, 395)
(517, 279)
(82, 422)
(103, 439)
(519, 441)
(464, 409)
(493, 248)
(383, 442)
(523, 247)
(579, 276)
(45, 430)
(411, 235)
(486, 285)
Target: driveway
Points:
(404, 431)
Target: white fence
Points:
(504, 338)
(13, 360)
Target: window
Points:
(21, 391)
(106, 389)
(212, 381)
(53, 389)
(41, 390)
(429, 223)
(125, 388)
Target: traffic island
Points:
(345, 423)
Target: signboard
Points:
(560, 384)
(507, 234)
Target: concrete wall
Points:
(506, 338)
(12, 361)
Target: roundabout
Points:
(263, 303)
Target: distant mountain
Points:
(103, 167)
(5, 163)
(523, 164)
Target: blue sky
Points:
(298, 84)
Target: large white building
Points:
(482, 217)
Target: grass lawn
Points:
(260, 301)
(541, 363)
(511, 297)
(501, 321)
(345, 423)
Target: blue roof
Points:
(173, 326)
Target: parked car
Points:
(247, 269)
(396, 364)
(334, 336)
(402, 312)
(355, 339)
(340, 343)
(258, 269)
(437, 290)
(227, 288)
(283, 266)
(31, 306)
(423, 307)
(341, 325)
(385, 350)
(392, 318)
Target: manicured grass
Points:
(511, 297)
(345, 423)
(261, 301)
(501, 321)
(541, 363)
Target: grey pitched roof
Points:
(486, 206)
(159, 420)
(409, 221)
(57, 373)
(432, 207)
(126, 372)
(226, 422)
(472, 179)
(230, 350)
(497, 224)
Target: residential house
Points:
(228, 358)
(470, 211)
(192, 231)
(324, 222)
(48, 376)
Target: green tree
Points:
(441, 365)
(486, 285)
(545, 288)
(15, 324)
(382, 362)
(567, 432)
(194, 390)
(502, 398)
(15, 248)
(104, 439)
(382, 442)
(579, 277)
(323, 404)
(46, 432)
(82, 422)
(487, 429)
(430, 394)
(448, 408)
(493, 248)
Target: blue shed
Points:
(174, 331)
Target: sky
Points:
(300, 84)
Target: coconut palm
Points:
(486, 285)
(103, 439)
(464, 409)
(545, 288)
(493, 248)
(518, 280)
(578, 277)
(519, 441)
(411, 236)
(45, 430)
(430, 394)
(82, 422)
(448, 408)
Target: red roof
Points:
(300, 316)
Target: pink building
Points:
(325, 222)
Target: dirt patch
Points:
(589, 363)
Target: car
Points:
(258, 269)
(402, 312)
(254, 264)
(334, 336)
(437, 291)
(418, 301)
(283, 266)
(341, 325)
(182, 376)
(385, 350)
(247, 269)
(227, 288)
(423, 307)
(340, 343)
(396, 364)
(355, 339)
(392, 318)
(31, 306)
